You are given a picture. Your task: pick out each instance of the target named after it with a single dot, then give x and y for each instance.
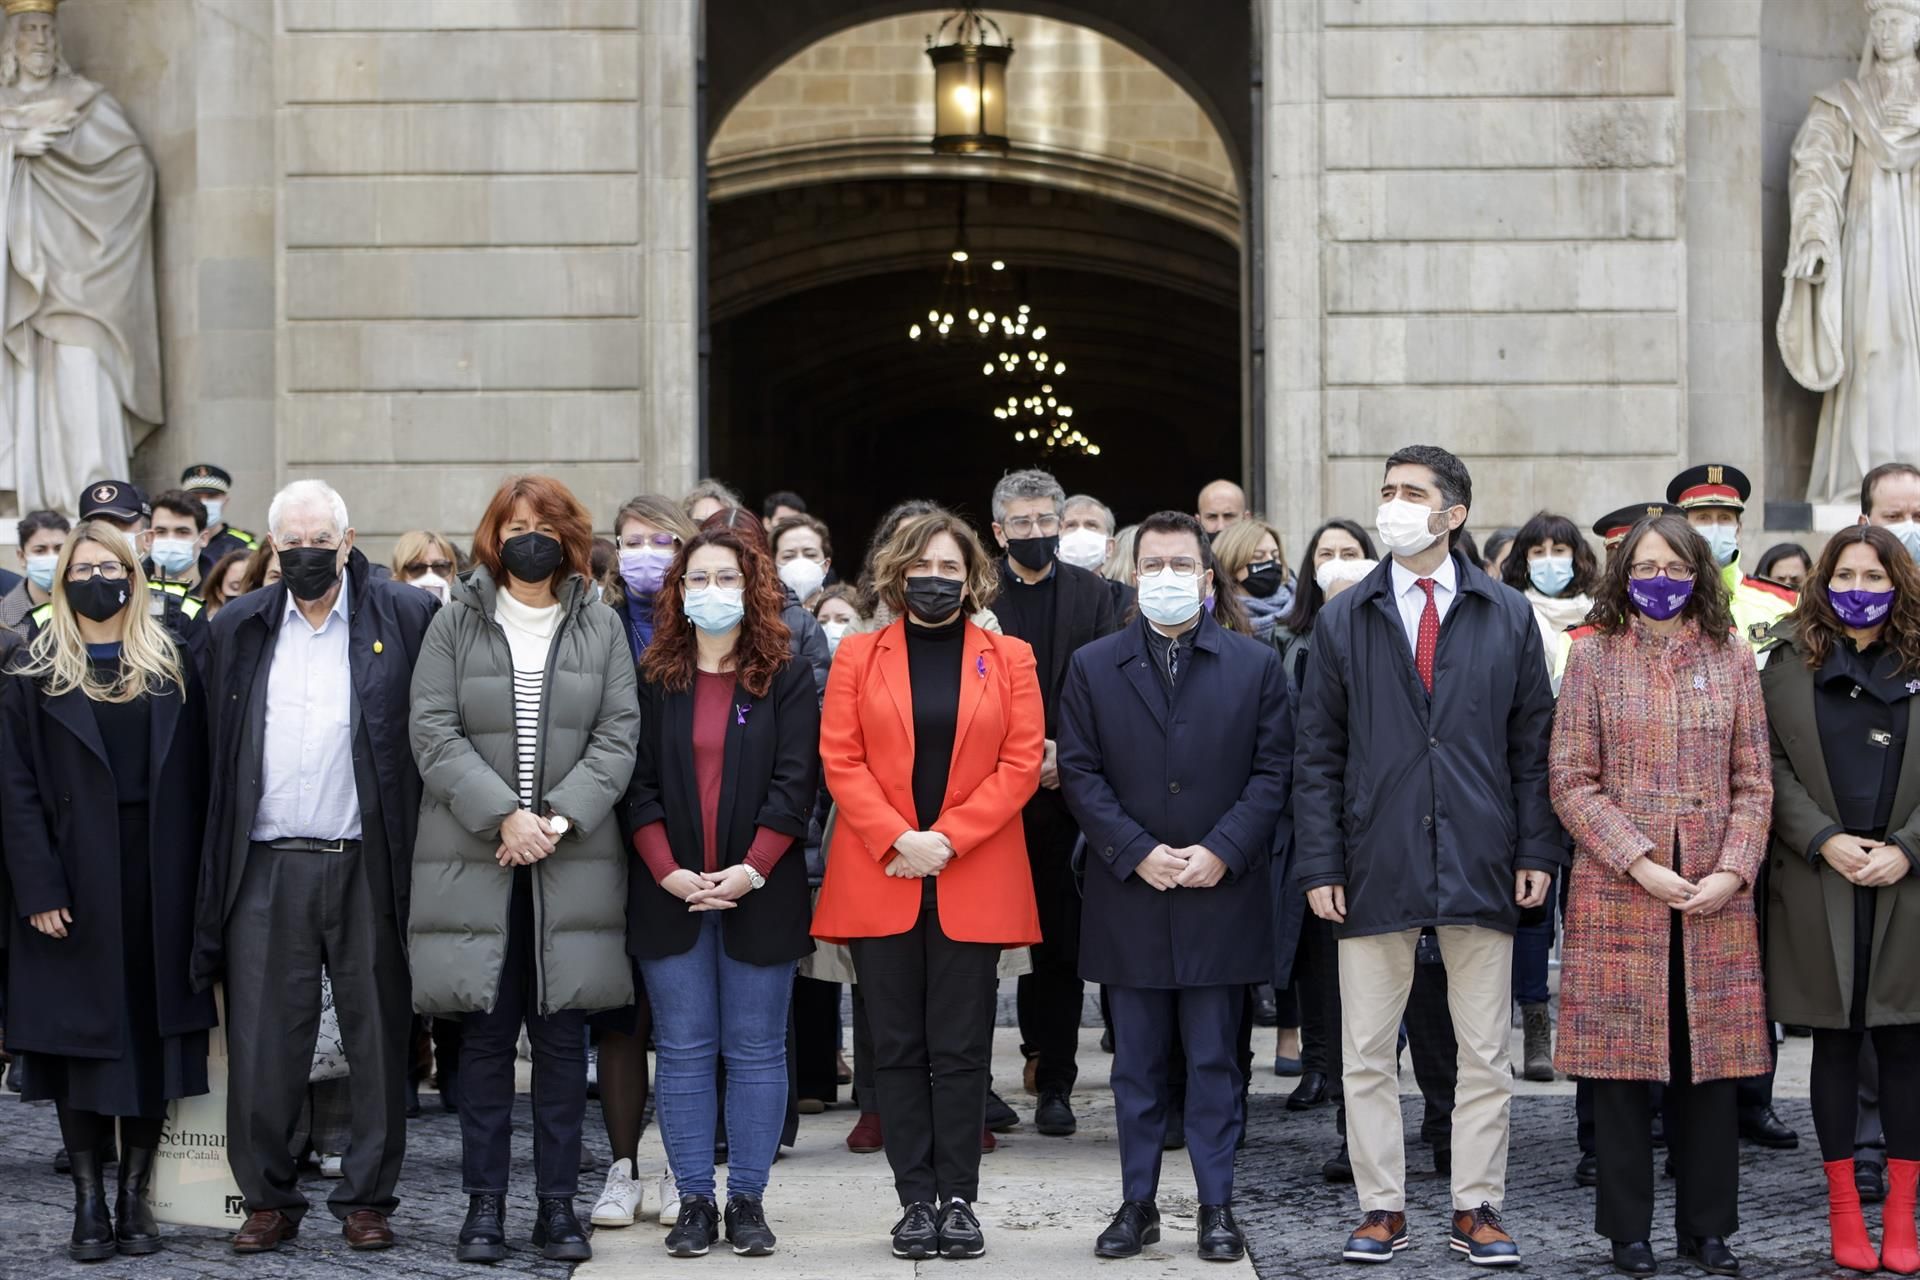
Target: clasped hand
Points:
(52, 923)
(1871, 864)
(716, 892)
(1683, 895)
(525, 838)
(919, 854)
(1192, 867)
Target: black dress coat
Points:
(57, 790)
(1215, 768)
(1425, 807)
(770, 778)
(386, 621)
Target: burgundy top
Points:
(713, 704)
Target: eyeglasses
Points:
(726, 579)
(1182, 566)
(649, 540)
(1643, 569)
(415, 568)
(1027, 526)
(111, 570)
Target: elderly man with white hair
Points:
(309, 840)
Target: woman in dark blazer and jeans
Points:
(725, 781)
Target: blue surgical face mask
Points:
(216, 507)
(1909, 534)
(716, 610)
(1724, 540)
(1168, 598)
(1550, 575)
(174, 556)
(40, 571)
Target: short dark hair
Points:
(1456, 484)
(785, 526)
(1172, 522)
(782, 498)
(1782, 551)
(39, 522)
(185, 503)
(1547, 527)
(1878, 474)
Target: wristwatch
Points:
(754, 878)
(559, 825)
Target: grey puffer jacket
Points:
(463, 739)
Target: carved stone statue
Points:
(77, 312)
(1850, 321)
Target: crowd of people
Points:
(672, 789)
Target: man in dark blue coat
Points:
(1175, 755)
(1422, 783)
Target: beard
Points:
(38, 62)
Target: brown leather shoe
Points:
(264, 1231)
(1380, 1235)
(1477, 1233)
(366, 1229)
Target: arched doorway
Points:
(1120, 219)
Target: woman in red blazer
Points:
(931, 739)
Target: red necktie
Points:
(1429, 636)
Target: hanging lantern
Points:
(969, 85)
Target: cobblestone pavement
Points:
(1296, 1222)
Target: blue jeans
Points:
(707, 1006)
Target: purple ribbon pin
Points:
(740, 712)
(980, 665)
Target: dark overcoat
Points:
(770, 778)
(66, 995)
(1213, 768)
(1424, 807)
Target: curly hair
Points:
(763, 645)
(1710, 605)
(1821, 630)
(894, 561)
(1542, 529)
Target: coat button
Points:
(1174, 787)
(1427, 822)
(1433, 742)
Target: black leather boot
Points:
(133, 1222)
(558, 1232)
(483, 1236)
(92, 1225)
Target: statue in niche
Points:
(77, 308)
(1850, 321)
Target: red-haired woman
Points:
(525, 719)
(727, 773)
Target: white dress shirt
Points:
(1412, 599)
(307, 789)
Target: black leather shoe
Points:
(1001, 1118)
(557, 1233)
(1587, 1172)
(1106, 1043)
(1266, 1010)
(1710, 1254)
(1634, 1258)
(1220, 1238)
(747, 1229)
(1339, 1166)
(959, 1231)
(1764, 1129)
(1870, 1180)
(1133, 1228)
(92, 1237)
(1054, 1116)
(697, 1228)
(133, 1224)
(1311, 1092)
(916, 1236)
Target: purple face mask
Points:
(1861, 608)
(1659, 597)
(643, 569)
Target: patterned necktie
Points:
(1429, 636)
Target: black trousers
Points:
(295, 913)
(1316, 981)
(1050, 998)
(1703, 1136)
(866, 1094)
(930, 1004)
(815, 1066)
(490, 1043)
(1835, 1088)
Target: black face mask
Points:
(1263, 580)
(309, 572)
(1035, 553)
(532, 557)
(932, 599)
(97, 598)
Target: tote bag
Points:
(192, 1184)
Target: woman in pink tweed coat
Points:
(1660, 772)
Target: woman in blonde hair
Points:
(424, 559)
(103, 778)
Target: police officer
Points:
(121, 504)
(214, 487)
(1714, 496)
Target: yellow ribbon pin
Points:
(376, 646)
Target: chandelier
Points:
(969, 84)
(1042, 418)
(969, 309)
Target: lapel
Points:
(74, 712)
(1065, 596)
(739, 712)
(977, 663)
(1388, 604)
(1136, 660)
(890, 654)
(679, 723)
(164, 716)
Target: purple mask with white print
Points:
(1861, 608)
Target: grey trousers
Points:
(295, 912)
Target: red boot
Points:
(865, 1138)
(1899, 1247)
(1851, 1247)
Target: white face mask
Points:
(1402, 527)
(1336, 573)
(433, 584)
(1909, 534)
(1169, 599)
(803, 575)
(834, 630)
(1084, 548)
(1724, 540)
(216, 507)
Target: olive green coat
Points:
(1809, 907)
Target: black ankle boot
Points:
(483, 1237)
(558, 1233)
(92, 1225)
(133, 1222)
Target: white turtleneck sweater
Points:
(530, 635)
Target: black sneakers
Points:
(694, 1233)
(747, 1229)
(916, 1235)
(960, 1235)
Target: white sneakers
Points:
(669, 1199)
(619, 1202)
(330, 1166)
